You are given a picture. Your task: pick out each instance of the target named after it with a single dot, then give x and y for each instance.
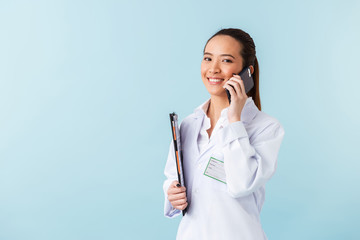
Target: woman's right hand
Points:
(177, 196)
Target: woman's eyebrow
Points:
(226, 55)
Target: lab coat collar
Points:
(247, 115)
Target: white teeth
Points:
(214, 80)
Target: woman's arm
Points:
(249, 166)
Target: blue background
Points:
(85, 92)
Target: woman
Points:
(238, 138)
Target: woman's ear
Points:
(251, 69)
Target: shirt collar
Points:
(248, 113)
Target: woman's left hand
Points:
(238, 97)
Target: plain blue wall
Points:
(85, 92)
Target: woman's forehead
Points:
(223, 44)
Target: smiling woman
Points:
(229, 149)
(236, 48)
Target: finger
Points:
(232, 78)
(242, 86)
(236, 76)
(236, 85)
(231, 90)
(174, 183)
(175, 197)
(176, 190)
(182, 207)
(179, 202)
(178, 186)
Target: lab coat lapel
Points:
(195, 131)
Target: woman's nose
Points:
(214, 68)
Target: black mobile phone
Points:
(248, 80)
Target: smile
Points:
(215, 81)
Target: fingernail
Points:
(234, 74)
(178, 185)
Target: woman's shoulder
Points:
(188, 120)
(266, 125)
(198, 113)
(256, 118)
(263, 119)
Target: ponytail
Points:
(255, 91)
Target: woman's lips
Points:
(215, 81)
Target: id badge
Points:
(215, 169)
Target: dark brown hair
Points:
(248, 53)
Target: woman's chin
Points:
(217, 93)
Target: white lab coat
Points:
(249, 149)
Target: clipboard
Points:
(177, 149)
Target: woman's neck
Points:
(217, 104)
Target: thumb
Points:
(175, 184)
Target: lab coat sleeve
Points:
(171, 175)
(249, 166)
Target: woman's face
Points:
(221, 59)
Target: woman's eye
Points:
(227, 60)
(207, 59)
